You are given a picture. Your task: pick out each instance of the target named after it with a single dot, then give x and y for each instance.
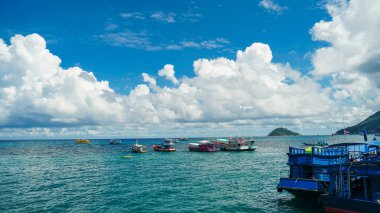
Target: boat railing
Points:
(334, 151)
(320, 151)
(296, 151)
(371, 156)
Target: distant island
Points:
(371, 124)
(283, 132)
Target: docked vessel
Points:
(167, 145)
(355, 186)
(115, 141)
(82, 141)
(238, 144)
(138, 148)
(309, 167)
(203, 146)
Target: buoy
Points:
(127, 156)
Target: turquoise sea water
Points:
(62, 176)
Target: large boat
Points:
(239, 144)
(138, 148)
(309, 167)
(167, 145)
(355, 186)
(203, 146)
(82, 141)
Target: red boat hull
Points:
(204, 148)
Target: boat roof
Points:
(373, 143)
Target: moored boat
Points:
(355, 186)
(203, 146)
(309, 167)
(138, 148)
(239, 144)
(115, 141)
(82, 141)
(167, 145)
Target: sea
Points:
(62, 176)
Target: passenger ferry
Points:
(239, 144)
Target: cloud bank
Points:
(37, 92)
(247, 91)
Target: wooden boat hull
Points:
(160, 149)
(143, 151)
(302, 188)
(192, 149)
(334, 204)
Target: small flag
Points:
(345, 132)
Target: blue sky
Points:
(77, 32)
(186, 68)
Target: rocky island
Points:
(283, 132)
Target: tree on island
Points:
(283, 132)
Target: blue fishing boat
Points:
(309, 167)
(355, 186)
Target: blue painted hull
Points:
(303, 188)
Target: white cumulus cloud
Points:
(352, 60)
(168, 73)
(36, 91)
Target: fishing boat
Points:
(167, 145)
(203, 146)
(115, 141)
(309, 167)
(239, 144)
(82, 141)
(355, 186)
(138, 148)
(183, 139)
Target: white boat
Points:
(239, 144)
(115, 141)
(138, 148)
(166, 145)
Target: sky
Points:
(123, 68)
